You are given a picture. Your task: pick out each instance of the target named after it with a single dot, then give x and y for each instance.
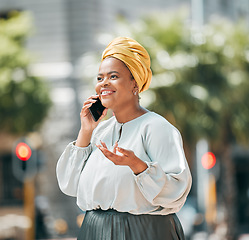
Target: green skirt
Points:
(113, 225)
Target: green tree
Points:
(200, 84)
(24, 99)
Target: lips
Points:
(106, 92)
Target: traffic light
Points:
(23, 151)
(208, 160)
(24, 160)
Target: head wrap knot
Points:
(134, 56)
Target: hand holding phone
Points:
(96, 110)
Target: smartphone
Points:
(96, 110)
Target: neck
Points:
(126, 115)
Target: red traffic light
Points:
(208, 160)
(23, 151)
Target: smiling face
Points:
(115, 85)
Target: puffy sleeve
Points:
(167, 180)
(69, 167)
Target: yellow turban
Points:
(135, 58)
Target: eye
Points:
(113, 76)
(99, 79)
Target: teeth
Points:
(106, 92)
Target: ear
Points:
(135, 85)
(135, 88)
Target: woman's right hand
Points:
(87, 122)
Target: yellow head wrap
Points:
(135, 58)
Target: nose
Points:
(105, 81)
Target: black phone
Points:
(96, 110)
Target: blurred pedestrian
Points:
(129, 173)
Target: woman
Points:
(129, 173)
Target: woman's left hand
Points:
(125, 158)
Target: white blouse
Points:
(162, 188)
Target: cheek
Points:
(97, 88)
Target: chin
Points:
(106, 103)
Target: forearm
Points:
(69, 167)
(168, 190)
(84, 138)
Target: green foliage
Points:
(200, 76)
(24, 99)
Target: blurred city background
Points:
(49, 57)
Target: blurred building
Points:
(64, 31)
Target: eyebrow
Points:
(108, 73)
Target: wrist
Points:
(138, 166)
(84, 130)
